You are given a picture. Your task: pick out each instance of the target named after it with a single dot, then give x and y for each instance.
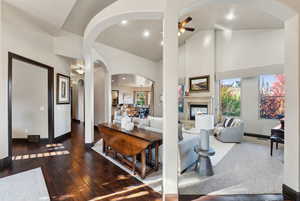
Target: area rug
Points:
(25, 186)
(247, 169)
(154, 180)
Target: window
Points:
(272, 96)
(141, 98)
(231, 97)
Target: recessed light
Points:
(230, 16)
(123, 78)
(146, 33)
(162, 43)
(124, 22)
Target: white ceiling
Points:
(129, 80)
(51, 14)
(129, 37)
(74, 15)
(82, 13)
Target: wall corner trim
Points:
(5, 163)
(289, 193)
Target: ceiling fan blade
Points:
(186, 21)
(189, 29)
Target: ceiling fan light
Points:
(182, 30)
(179, 34)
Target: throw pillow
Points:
(229, 122)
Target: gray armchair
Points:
(233, 133)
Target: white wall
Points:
(69, 44)
(28, 40)
(29, 100)
(249, 48)
(247, 54)
(197, 58)
(99, 91)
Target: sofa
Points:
(230, 130)
(186, 156)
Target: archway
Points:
(153, 9)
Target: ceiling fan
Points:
(182, 26)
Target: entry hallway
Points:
(81, 175)
(84, 175)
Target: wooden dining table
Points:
(135, 144)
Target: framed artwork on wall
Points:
(62, 89)
(115, 97)
(199, 84)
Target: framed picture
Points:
(199, 84)
(115, 97)
(62, 89)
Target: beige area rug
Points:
(248, 168)
(25, 186)
(154, 180)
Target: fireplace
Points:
(195, 108)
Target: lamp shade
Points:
(204, 121)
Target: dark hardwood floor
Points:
(84, 175)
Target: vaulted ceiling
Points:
(74, 15)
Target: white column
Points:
(292, 113)
(3, 97)
(170, 100)
(89, 98)
(108, 99)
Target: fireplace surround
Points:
(204, 103)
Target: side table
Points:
(203, 164)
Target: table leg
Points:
(271, 147)
(143, 161)
(133, 164)
(156, 156)
(150, 155)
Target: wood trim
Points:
(50, 70)
(89, 145)
(257, 135)
(62, 137)
(5, 163)
(289, 193)
(57, 89)
(25, 140)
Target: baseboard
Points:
(89, 145)
(76, 120)
(5, 163)
(257, 135)
(171, 197)
(290, 194)
(25, 140)
(62, 137)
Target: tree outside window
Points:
(272, 96)
(230, 97)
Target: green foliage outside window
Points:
(231, 97)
